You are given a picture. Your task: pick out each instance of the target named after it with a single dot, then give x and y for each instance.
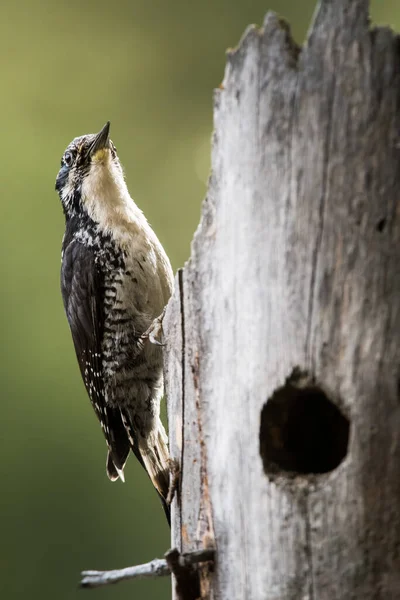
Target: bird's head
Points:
(90, 178)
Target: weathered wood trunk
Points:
(283, 352)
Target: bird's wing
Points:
(83, 296)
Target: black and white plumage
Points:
(116, 280)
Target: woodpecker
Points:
(116, 280)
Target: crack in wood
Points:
(205, 530)
(317, 250)
(308, 548)
(183, 348)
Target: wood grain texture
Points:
(295, 265)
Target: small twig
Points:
(158, 567)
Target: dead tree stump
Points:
(283, 353)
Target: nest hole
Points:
(301, 430)
(380, 226)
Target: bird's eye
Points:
(68, 159)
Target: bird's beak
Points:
(101, 140)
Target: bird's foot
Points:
(174, 474)
(154, 333)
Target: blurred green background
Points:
(67, 67)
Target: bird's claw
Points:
(174, 474)
(155, 331)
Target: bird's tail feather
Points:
(152, 453)
(113, 472)
(155, 456)
(117, 442)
